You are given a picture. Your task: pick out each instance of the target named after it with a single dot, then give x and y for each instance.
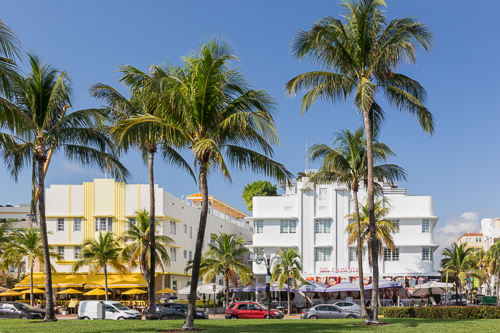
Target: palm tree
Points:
(38, 104)
(485, 266)
(384, 229)
(137, 250)
(347, 164)
(9, 52)
(100, 253)
(27, 245)
(220, 119)
(225, 256)
(290, 268)
(457, 262)
(148, 138)
(360, 56)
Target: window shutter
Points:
(110, 224)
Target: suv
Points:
(250, 310)
(178, 311)
(18, 310)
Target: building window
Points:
(426, 254)
(352, 254)
(60, 224)
(77, 226)
(190, 232)
(323, 254)
(60, 251)
(190, 255)
(104, 224)
(323, 226)
(426, 226)
(258, 252)
(288, 226)
(480, 239)
(259, 227)
(185, 254)
(221, 282)
(173, 227)
(174, 285)
(185, 229)
(78, 250)
(391, 256)
(397, 222)
(323, 194)
(212, 240)
(173, 254)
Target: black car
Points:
(18, 310)
(178, 311)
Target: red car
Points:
(250, 310)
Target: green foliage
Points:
(259, 188)
(444, 312)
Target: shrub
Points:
(444, 312)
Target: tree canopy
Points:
(259, 188)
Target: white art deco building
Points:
(312, 218)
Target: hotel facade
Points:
(312, 219)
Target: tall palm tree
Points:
(290, 268)
(100, 253)
(9, 53)
(27, 245)
(148, 138)
(457, 262)
(360, 56)
(225, 256)
(38, 105)
(485, 266)
(384, 229)
(137, 250)
(221, 120)
(347, 164)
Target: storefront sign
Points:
(338, 270)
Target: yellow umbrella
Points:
(166, 291)
(96, 292)
(20, 288)
(70, 291)
(10, 293)
(134, 292)
(35, 291)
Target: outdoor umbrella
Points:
(254, 287)
(96, 292)
(70, 291)
(343, 286)
(166, 291)
(184, 291)
(274, 287)
(209, 288)
(10, 293)
(313, 287)
(433, 287)
(134, 292)
(35, 291)
(382, 284)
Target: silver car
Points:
(349, 306)
(328, 311)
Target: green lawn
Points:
(233, 326)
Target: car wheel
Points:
(351, 317)
(313, 317)
(233, 317)
(86, 318)
(121, 318)
(24, 317)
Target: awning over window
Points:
(88, 281)
(59, 280)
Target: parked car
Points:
(113, 311)
(18, 310)
(328, 311)
(250, 310)
(452, 299)
(349, 306)
(178, 311)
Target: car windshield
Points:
(263, 306)
(24, 306)
(122, 307)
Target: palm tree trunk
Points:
(152, 232)
(105, 281)
(34, 188)
(289, 312)
(49, 305)
(195, 273)
(226, 301)
(359, 254)
(371, 217)
(31, 284)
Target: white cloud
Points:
(448, 232)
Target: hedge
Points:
(444, 312)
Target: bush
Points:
(444, 312)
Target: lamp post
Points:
(215, 289)
(267, 260)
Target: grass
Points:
(271, 326)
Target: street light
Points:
(267, 260)
(215, 289)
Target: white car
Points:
(87, 310)
(349, 306)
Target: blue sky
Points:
(457, 165)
